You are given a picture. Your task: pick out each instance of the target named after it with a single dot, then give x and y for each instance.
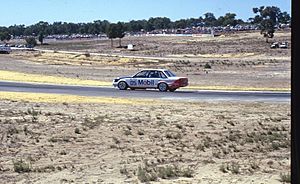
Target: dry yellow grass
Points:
(73, 58)
(228, 55)
(25, 77)
(235, 88)
(231, 55)
(59, 98)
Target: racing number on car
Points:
(132, 83)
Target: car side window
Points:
(162, 75)
(169, 73)
(142, 74)
(153, 74)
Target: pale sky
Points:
(29, 12)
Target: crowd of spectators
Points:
(184, 32)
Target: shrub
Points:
(140, 132)
(234, 167)
(207, 66)
(116, 140)
(200, 147)
(174, 135)
(124, 171)
(33, 112)
(223, 168)
(31, 42)
(53, 139)
(217, 154)
(179, 126)
(21, 166)
(12, 130)
(92, 123)
(152, 173)
(127, 132)
(285, 178)
(254, 165)
(168, 172)
(77, 131)
(146, 175)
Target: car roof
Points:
(154, 69)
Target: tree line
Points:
(266, 18)
(98, 26)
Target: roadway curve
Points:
(181, 94)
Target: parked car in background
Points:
(5, 49)
(283, 45)
(274, 45)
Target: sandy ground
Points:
(244, 42)
(167, 142)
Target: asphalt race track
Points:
(181, 94)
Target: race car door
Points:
(153, 78)
(139, 80)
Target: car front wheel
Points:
(122, 85)
(163, 87)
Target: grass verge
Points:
(26, 77)
(236, 88)
(35, 78)
(58, 98)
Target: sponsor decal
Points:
(141, 82)
(146, 82)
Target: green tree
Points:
(41, 38)
(228, 19)
(136, 25)
(267, 18)
(112, 32)
(284, 18)
(5, 36)
(17, 30)
(255, 20)
(104, 26)
(120, 32)
(182, 23)
(31, 42)
(160, 22)
(210, 19)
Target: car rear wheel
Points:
(163, 87)
(122, 85)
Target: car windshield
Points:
(169, 73)
(141, 74)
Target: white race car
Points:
(151, 78)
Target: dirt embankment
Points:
(252, 42)
(162, 142)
